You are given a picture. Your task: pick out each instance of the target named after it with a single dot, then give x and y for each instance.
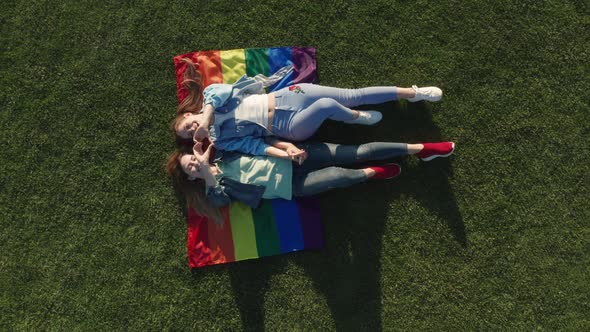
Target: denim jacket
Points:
(228, 190)
(229, 133)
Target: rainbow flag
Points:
(228, 66)
(277, 226)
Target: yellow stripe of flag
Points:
(243, 231)
(233, 64)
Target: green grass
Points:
(494, 238)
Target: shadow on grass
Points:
(347, 271)
(428, 182)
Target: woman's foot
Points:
(429, 93)
(367, 118)
(435, 150)
(384, 172)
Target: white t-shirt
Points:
(254, 108)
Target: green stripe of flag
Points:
(257, 61)
(267, 235)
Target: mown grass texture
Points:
(494, 238)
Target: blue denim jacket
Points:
(227, 132)
(228, 190)
(231, 134)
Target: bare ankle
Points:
(406, 93)
(415, 148)
(369, 172)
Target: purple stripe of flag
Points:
(304, 65)
(311, 226)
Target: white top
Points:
(254, 108)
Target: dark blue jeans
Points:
(320, 173)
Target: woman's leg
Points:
(318, 181)
(312, 104)
(322, 155)
(307, 121)
(306, 94)
(375, 94)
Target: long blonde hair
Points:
(193, 190)
(192, 82)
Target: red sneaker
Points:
(385, 172)
(434, 150)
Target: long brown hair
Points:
(192, 82)
(193, 190)
(180, 141)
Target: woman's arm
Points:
(298, 156)
(214, 96)
(286, 150)
(276, 152)
(208, 177)
(278, 143)
(255, 146)
(202, 131)
(214, 191)
(205, 170)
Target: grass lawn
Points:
(497, 237)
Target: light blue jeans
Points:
(301, 109)
(319, 172)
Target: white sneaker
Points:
(366, 118)
(429, 93)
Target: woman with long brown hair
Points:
(247, 178)
(238, 117)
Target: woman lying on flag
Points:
(294, 170)
(239, 116)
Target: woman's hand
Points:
(285, 150)
(296, 154)
(199, 167)
(201, 133)
(202, 157)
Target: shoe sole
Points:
(380, 116)
(433, 100)
(440, 155)
(370, 124)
